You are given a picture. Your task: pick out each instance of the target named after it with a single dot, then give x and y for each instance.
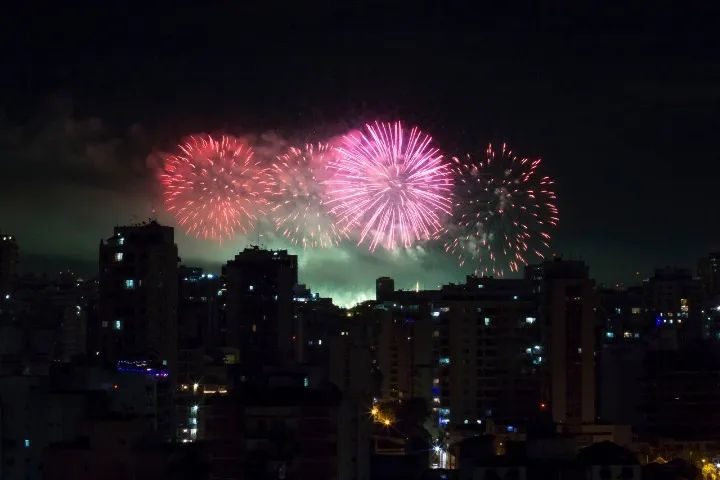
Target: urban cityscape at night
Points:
(359, 241)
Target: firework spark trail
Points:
(504, 213)
(298, 201)
(213, 186)
(389, 186)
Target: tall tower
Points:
(138, 296)
(8, 262)
(568, 304)
(384, 289)
(259, 305)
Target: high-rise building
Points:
(488, 353)
(568, 303)
(198, 320)
(384, 289)
(675, 298)
(709, 272)
(259, 306)
(137, 305)
(8, 263)
(139, 294)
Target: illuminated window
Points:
(306, 382)
(635, 310)
(251, 288)
(530, 320)
(444, 361)
(254, 328)
(129, 284)
(515, 297)
(119, 256)
(121, 241)
(118, 325)
(436, 333)
(27, 443)
(487, 321)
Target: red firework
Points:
(390, 185)
(505, 212)
(213, 186)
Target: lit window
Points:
(444, 361)
(118, 325)
(609, 334)
(436, 333)
(306, 382)
(435, 314)
(254, 328)
(121, 241)
(27, 443)
(487, 321)
(119, 256)
(515, 297)
(635, 310)
(319, 341)
(530, 320)
(251, 288)
(129, 284)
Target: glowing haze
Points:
(390, 186)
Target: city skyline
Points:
(628, 142)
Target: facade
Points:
(489, 354)
(8, 263)
(675, 299)
(568, 304)
(138, 297)
(137, 306)
(259, 306)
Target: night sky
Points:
(621, 104)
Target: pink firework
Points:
(390, 186)
(213, 186)
(298, 202)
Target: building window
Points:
(119, 256)
(306, 382)
(121, 241)
(27, 443)
(251, 288)
(118, 325)
(104, 324)
(129, 284)
(487, 321)
(530, 320)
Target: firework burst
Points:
(390, 186)
(297, 204)
(504, 212)
(213, 186)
